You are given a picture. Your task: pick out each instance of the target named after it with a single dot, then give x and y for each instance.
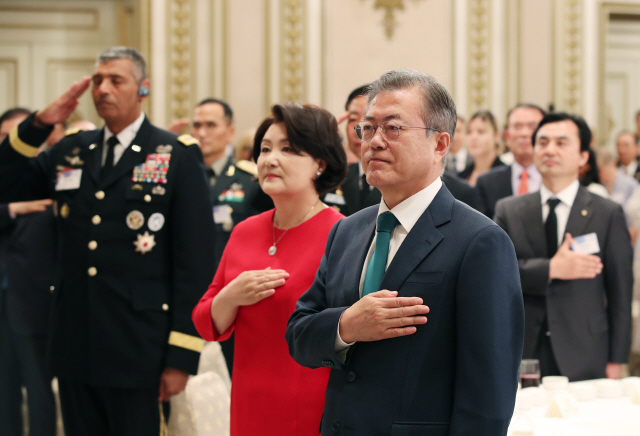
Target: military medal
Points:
(156, 221)
(74, 160)
(158, 190)
(164, 149)
(145, 243)
(135, 220)
(64, 210)
(153, 170)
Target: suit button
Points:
(336, 426)
(351, 376)
(147, 198)
(93, 245)
(165, 307)
(92, 271)
(327, 363)
(96, 219)
(100, 195)
(548, 333)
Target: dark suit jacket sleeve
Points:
(192, 259)
(618, 275)
(534, 272)
(5, 219)
(312, 328)
(489, 336)
(24, 174)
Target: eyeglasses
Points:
(390, 130)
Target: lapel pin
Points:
(136, 148)
(92, 146)
(584, 212)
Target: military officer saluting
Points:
(136, 242)
(235, 195)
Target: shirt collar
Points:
(219, 165)
(567, 196)
(128, 134)
(409, 211)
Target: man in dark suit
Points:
(392, 372)
(233, 190)
(355, 193)
(628, 149)
(521, 177)
(136, 235)
(577, 292)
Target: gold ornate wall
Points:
(479, 43)
(568, 57)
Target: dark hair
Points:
(312, 130)
(13, 113)
(358, 92)
(584, 132)
(228, 113)
(591, 175)
(487, 117)
(120, 52)
(525, 106)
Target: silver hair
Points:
(114, 53)
(438, 108)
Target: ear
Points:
(442, 144)
(322, 165)
(232, 132)
(584, 157)
(505, 137)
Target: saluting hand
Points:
(27, 207)
(382, 315)
(60, 109)
(570, 265)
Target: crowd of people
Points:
(335, 267)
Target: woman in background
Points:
(482, 143)
(270, 260)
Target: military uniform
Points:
(349, 198)
(235, 196)
(135, 250)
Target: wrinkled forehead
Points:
(116, 67)
(400, 104)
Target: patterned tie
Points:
(524, 183)
(108, 163)
(378, 262)
(551, 228)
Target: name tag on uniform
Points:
(221, 214)
(334, 198)
(68, 179)
(587, 244)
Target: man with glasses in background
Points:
(418, 253)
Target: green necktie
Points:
(378, 262)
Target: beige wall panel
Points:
(246, 62)
(536, 52)
(8, 82)
(357, 50)
(15, 76)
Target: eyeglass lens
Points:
(389, 129)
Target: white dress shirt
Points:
(125, 137)
(631, 168)
(460, 159)
(567, 196)
(407, 213)
(534, 181)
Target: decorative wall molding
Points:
(292, 16)
(479, 35)
(390, 7)
(9, 78)
(568, 83)
(179, 53)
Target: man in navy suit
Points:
(522, 176)
(394, 373)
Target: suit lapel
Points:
(505, 187)
(361, 242)
(581, 213)
(133, 155)
(351, 188)
(93, 156)
(531, 214)
(421, 240)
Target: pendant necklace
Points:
(273, 249)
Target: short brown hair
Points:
(312, 130)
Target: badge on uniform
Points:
(145, 243)
(153, 170)
(64, 210)
(164, 149)
(232, 195)
(68, 179)
(156, 221)
(74, 161)
(158, 190)
(135, 219)
(222, 215)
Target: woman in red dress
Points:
(269, 261)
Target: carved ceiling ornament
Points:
(390, 7)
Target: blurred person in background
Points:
(482, 142)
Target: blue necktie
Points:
(378, 262)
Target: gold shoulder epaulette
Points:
(188, 140)
(248, 167)
(72, 131)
